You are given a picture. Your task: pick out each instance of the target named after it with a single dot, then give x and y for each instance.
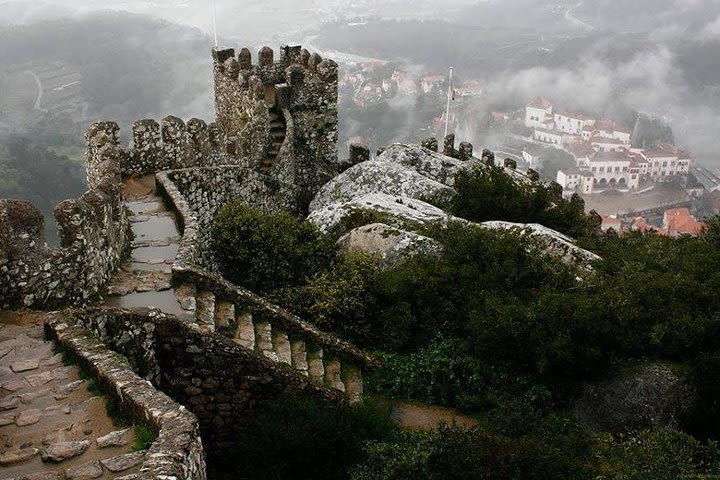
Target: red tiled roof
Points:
(679, 221)
(540, 102)
(581, 149)
(618, 156)
(575, 116)
(607, 140)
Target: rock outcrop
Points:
(380, 177)
(654, 395)
(548, 240)
(427, 163)
(393, 245)
(398, 208)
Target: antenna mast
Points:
(447, 110)
(214, 13)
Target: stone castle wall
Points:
(302, 88)
(177, 453)
(173, 144)
(93, 231)
(197, 194)
(221, 382)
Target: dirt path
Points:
(52, 426)
(419, 416)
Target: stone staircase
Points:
(296, 346)
(146, 279)
(146, 282)
(277, 137)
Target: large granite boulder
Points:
(399, 209)
(380, 177)
(393, 245)
(652, 395)
(437, 166)
(547, 240)
(433, 165)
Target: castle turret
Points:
(280, 114)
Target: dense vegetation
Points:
(496, 330)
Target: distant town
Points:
(635, 185)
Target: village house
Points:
(604, 157)
(547, 135)
(611, 222)
(532, 154)
(679, 221)
(572, 123)
(538, 112)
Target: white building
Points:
(612, 170)
(666, 162)
(607, 144)
(532, 154)
(545, 135)
(610, 129)
(572, 123)
(538, 112)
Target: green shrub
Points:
(144, 437)
(299, 438)
(339, 299)
(453, 453)
(267, 252)
(443, 373)
(487, 193)
(656, 455)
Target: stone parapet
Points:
(220, 381)
(93, 232)
(177, 453)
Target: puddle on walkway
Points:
(156, 228)
(165, 301)
(155, 253)
(140, 208)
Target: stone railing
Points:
(177, 452)
(257, 325)
(220, 381)
(236, 313)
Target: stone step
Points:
(277, 124)
(333, 374)
(282, 347)
(316, 367)
(277, 133)
(205, 312)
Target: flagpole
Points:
(215, 23)
(447, 110)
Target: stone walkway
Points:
(145, 281)
(51, 426)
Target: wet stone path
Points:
(52, 427)
(145, 281)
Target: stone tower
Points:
(280, 117)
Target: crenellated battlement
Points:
(280, 114)
(173, 144)
(93, 232)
